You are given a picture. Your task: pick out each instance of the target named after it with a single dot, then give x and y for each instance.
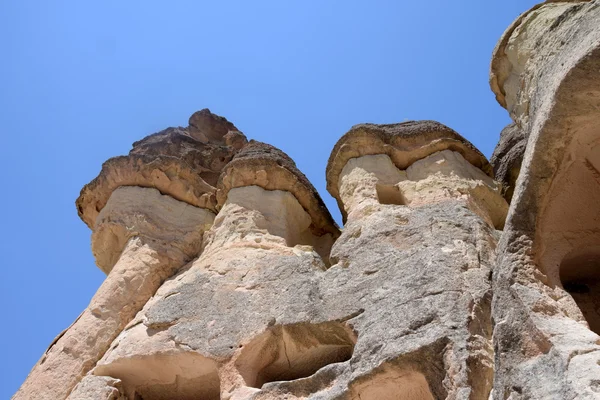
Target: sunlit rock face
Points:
(148, 212)
(227, 277)
(545, 72)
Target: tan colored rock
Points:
(174, 228)
(147, 236)
(183, 163)
(98, 388)
(419, 261)
(142, 234)
(545, 72)
(208, 127)
(261, 308)
(163, 173)
(439, 175)
(419, 297)
(249, 283)
(508, 157)
(263, 165)
(230, 309)
(404, 143)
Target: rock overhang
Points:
(260, 164)
(405, 143)
(183, 163)
(501, 67)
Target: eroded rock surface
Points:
(183, 163)
(148, 219)
(508, 157)
(545, 73)
(404, 143)
(261, 306)
(227, 277)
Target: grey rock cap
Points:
(183, 163)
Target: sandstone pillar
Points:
(247, 312)
(416, 256)
(546, 73)
(141, 236)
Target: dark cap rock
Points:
(266, 166)
(184, 163)
(404, 143)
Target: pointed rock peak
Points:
(208, 127)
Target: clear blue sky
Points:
(82, 80)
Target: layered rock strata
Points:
(546, 309)
(146, 224)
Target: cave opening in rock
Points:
(580, 276)
(568, 232)
(390, 194)
(181, 376)
(290, 352)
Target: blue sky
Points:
(82, 80)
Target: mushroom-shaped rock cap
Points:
(501, 68)
(404, 143)
(263, 165)
(184, 163)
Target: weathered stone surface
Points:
(258, 255)
(247, 280)
(260, 307)
(424, 161)
(545, 72)
(97, 388)
(265, 166)
(140, 219)
(419, 297)
(142, 234)
(174, 228)
(183, 163)
(404, 143)
(422, 278)
(208, 127)
(508, 157)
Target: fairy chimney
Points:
(451, 278)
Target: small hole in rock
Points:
(580, 276)
(390, 194)
(289, 352)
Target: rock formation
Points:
(546, 309)
(227, 278)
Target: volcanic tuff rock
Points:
(148, 212)
(183, 163)
(546, 307)
(259, 312)
(227, 277)
(508, 156)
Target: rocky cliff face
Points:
(545, 71)
(227, 277)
